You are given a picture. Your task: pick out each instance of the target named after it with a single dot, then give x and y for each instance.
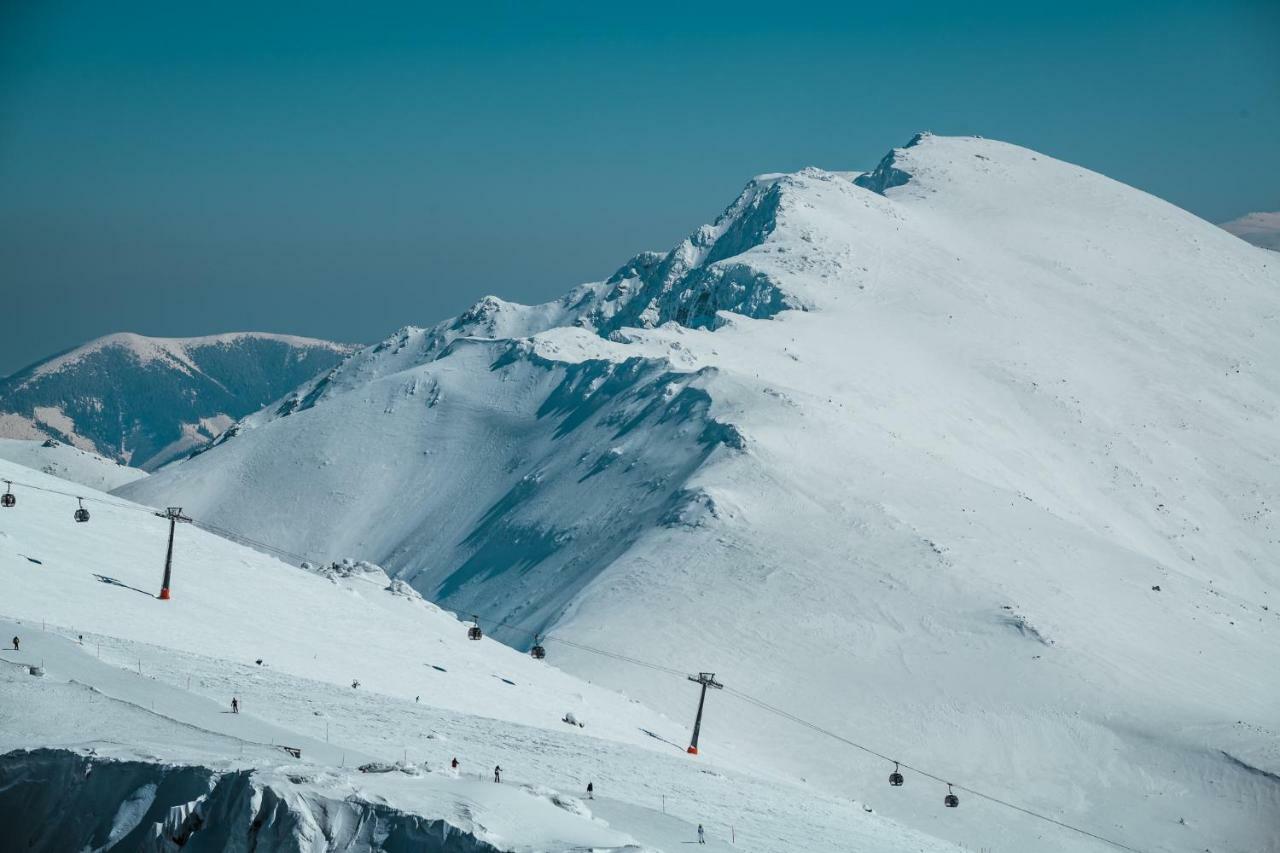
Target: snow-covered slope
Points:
(146, 401)
(131, 716)
(1260, 229)
(971, 458)
(69, 463)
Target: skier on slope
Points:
(235, 705)
(702, 836)
(454, 764)
(591, 791)
(15, 644)
(497, 773)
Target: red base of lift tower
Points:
(164, 594)
(693, 750)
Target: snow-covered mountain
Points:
(1260, 229)
(146, 401)
(970, 458)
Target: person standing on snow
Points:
(235, 705)
(591, 791)
(454, 764)
(497, 773)
(15, 644)
(702, 836)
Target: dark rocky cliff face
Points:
(53, 800)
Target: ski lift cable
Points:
(254, 543)
(503, 623)
(46, 489)
(764, 706)
(990, 798)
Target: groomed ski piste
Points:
(130, 734)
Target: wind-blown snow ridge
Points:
(688, 285)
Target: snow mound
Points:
(347, 568)
(573, 805)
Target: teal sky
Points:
(343, 169)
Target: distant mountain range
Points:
(147, 401)
(1260, 229)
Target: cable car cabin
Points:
(951, 801)
(474, 632)
(537, 653)
(82, 514)
(895, 779)
(8, 500)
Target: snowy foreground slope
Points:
(970, 459)
(131, 716)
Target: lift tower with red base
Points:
(174, 514)
(706, 679)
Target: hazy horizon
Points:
(321, 172)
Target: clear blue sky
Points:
(340, 170)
